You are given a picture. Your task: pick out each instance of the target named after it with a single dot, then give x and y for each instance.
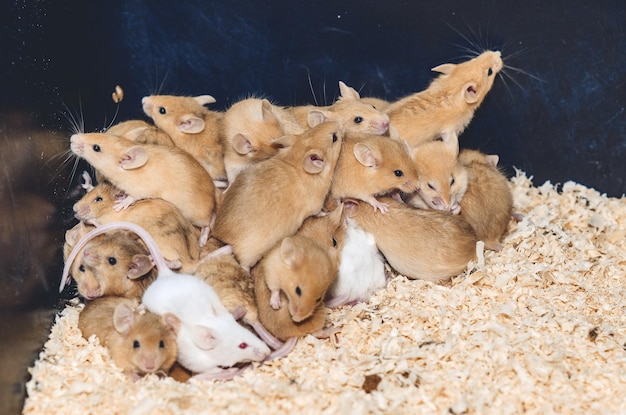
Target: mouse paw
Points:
(275, 302)
(124, 203)
(383, 207)
(204, 236)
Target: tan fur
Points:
(140, 132)
(175, 236)
(444, 109)
(271, 199)
(378, 103)
(97, 318)
(488, 202)
(419, 244)
(248, 129)
(204, 145)
(354, 180)
(169, 173)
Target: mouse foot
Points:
(204, 236)
(382, 207)
(123, 203)
(331, 333)
(275, 302)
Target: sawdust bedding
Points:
(539, 327)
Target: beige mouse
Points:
(447, 106)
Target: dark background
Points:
(557, 112)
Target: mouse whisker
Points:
(308, 73)
(77, 123)
(521, 71)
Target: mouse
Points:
(488, 202)
(270, 199)
(355, 115)
(378, 103)
(115, 263)
(145, 171)
(210, 341)
(138, 342)
(248, 130)
(420, 244)
(371, 165)
(175, 236)
(140, 132)
(192, 127)
(442, 179)
(447, 105)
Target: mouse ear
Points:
(366, 155)
(469, 92)
(445, 69)
(282, 142)
(451, 141)
(289, 252)
(313, 162)
(350, 207)
(266, 111)
(172, 322)
(123, 318)
(134, 158)
(242, 144)
(191, 124)
(493, 159)
(136, 133)
(204, 337)
(316, 117)
(348, 92)
(204, 99)
(139, 266)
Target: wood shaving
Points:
(539, 327)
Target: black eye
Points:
(136, 344)
(99, 199)
(298, 291)
(81, 268)
(112, 260)
(161, 344)
(490, 72)
(334, 243)
(358, 120)
(96, 148)
(452, 181)
(334, 137)
(162, 110)
(398, 173)
(431, 186)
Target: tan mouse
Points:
(378, 103)
(139, 342)
(371, 165)
(442, 179)
(419, 244)
(447, 106)
(145, 171)
(192, 127)
(355, 115)
(488, 202)
(174, 234)
(115, 263)
(248, 130)
(270, 199)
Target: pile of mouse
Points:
(270, 248)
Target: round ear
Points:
(172, 322)
(366, 155)
(313, 162)
(348, 92)
(204, 337)
(289, 252)
(493, 159)
(139, 266)
(204, 99)
(123, 317)
(350, 207)
(266, 111)
(242, 145)
(134, 158)
(316, 117)
(445, 69)
(469, 92)
(73, 235)
(191, 124)
(136, 133)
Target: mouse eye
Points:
(243, 345)
(334, 243)
(298, 291)
(112, 260)
(319, 300)
(161, 344)
(489, 72)
(374, 107)
(334, 137)
(431, 187)
(358, 120)
(398, 173)
(162, 110)
(99, 199)
(96, 148)
(136, 344)
(81, 268)
(452, 181)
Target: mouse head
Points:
(318, 148)
(108, 153)
(470, 80)
(387, 162)
(97, 202)
(468, 156)
(177, 114)
(327, 230)
(442, 179)
(111, 264)
(149, 342)
(355, 115)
